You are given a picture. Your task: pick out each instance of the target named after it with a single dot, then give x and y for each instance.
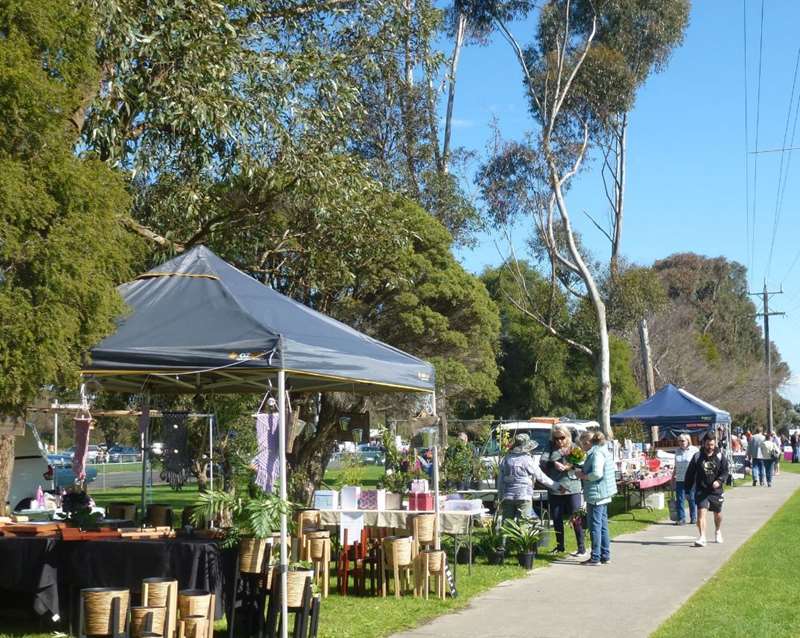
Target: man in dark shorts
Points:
(707, 473)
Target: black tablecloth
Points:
(41, 566)
(30, 566)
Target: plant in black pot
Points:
(492, 542)
(523, 535)
(77, 505)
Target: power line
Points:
(746, 148)
(777, 215)
(758, 127)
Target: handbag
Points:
(673, 509)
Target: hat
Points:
(523, 444)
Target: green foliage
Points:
(541, 375)
(352, 469)
(255, 514)
(62, 250)
(523, 535)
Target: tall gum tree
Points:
(579, 80)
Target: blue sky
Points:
(686, 174)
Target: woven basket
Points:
(435, 560)
(97, 610)
(402, 545)
(124, 511)
(251, 554)
(307, 518)
(425, 527)
(155, 592)
(138, 617)
(159, 515)
(295, 585)
(317, 541)
(195, 627)
(194, 602)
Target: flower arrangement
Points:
(576, 456)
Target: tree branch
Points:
(549, 327)
(143, 231)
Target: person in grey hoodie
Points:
(515, 478)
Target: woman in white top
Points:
(683, 457)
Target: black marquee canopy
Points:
(198, 324)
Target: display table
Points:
(643, 486)
(53, 571)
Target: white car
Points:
(537, 429)
(31, 467)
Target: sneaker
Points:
(680, 522)
(556, 550)
(693, 522)
(580, 555)
(605, 562)
(718, 537)
(590, 563)
(700, 542)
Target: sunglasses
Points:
(559, 438)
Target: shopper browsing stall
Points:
(684, 456)
(706, 474)
(599, 485)
(515, 478)
(559, 461)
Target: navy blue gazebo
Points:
(675, 411)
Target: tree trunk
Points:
(451, 89)
(605, 369)
(6, 468)
(619, 192)
(647, 358)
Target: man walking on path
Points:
(707, 473)
(755, 453)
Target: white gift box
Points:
(326, 500)
(420, 485)
(349, 497)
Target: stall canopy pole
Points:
(437, 541)
(144, 436)
(211, 450)
(284, 539)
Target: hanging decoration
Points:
(267, 460)
(83, 423)
(176, 458)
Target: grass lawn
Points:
(112, 468)
(158, 494)
(765, 567)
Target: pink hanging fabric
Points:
(82, 425)
(267, 460)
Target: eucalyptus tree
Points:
(581, 73)
(62, 249)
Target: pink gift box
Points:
(420, 502)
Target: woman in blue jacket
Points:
(599, 485)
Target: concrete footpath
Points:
(651, 574)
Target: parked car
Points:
(32, 468)
(537, 429)
(120, 454)
(60, 471)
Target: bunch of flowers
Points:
(576, 456)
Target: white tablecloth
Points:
(450, 522)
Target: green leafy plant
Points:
(352, 469)
(523, 534)
(492, 539)
(254, 514)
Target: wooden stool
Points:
(318, 550)
(431, 562)
(148, 622)
(306, 520)
(193, 603)
(104, 612)
(159, 516)
(423, 529)
(162, 592)
(124, 511)
(398, 557)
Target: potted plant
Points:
(524, 536)
(492, 543)
(248, 519)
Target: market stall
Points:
(198, 325)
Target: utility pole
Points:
(766, 314)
